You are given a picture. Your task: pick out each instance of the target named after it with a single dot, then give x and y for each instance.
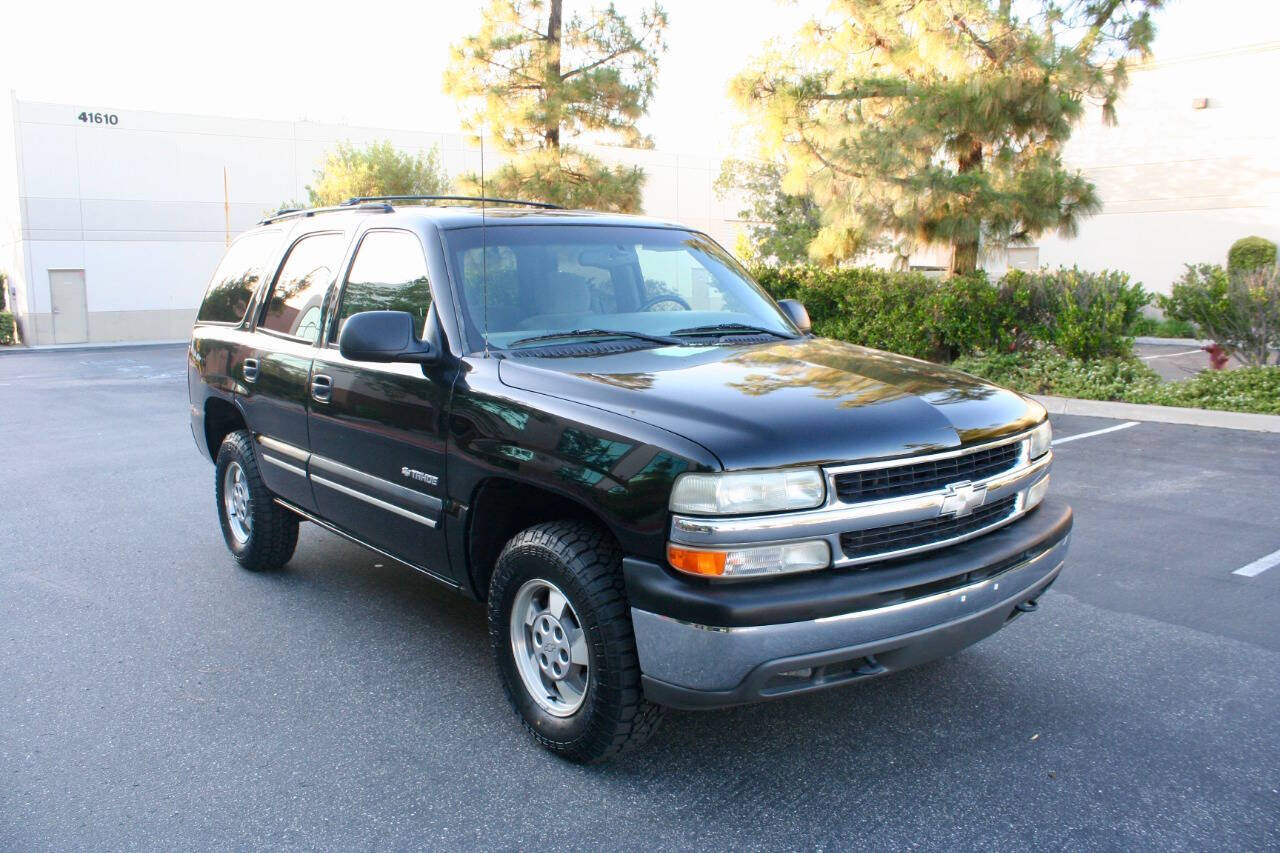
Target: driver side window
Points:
(389, 273)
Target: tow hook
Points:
(1028, 606)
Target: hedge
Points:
(1083, 314)
(1125, 378)
(6, 328)
(1249, 253)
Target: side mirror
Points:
(383, 336)
(795, 313)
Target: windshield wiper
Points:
(731, 329)
(600, 333)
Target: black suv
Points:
(668, 492)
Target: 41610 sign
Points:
(99, 118)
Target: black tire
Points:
(584, 563)
(269, 541)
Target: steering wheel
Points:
(665, 297)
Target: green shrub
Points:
(1249, 253)
(6, 328)
(877, 308)
(1247, 389)
(1168, 327)
(1045, 371)
(1083, 314)
(1240, 311)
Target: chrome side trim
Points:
(279, 463)
(283, 448)
(376, 484)
(350, 538)
(370, 499)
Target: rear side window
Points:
(389, 273)
(237, 278)
(297, 300)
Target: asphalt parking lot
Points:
(154, 696)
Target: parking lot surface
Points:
(154, 696)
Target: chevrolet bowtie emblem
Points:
(962, 499)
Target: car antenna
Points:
(484, 250)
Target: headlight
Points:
(1041, 438)
(750, 561)
(748, 492)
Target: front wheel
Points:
(562, 638)
(260, 533)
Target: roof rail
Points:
(345, 207)
(368, 198)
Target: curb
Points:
(1160, 414)
(1171, 342)
(17, 348)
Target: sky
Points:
(379, 64)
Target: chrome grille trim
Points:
(835, 517)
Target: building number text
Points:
(99, 118)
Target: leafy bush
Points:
(1167, 327)
(1083, 314)
(1088, 314)
(1240, 311)
(6, 328)
(1127, 379)
(876, 308)
(1248, 389)
(1045, 371)
(1249, 253)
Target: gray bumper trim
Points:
(690, 665)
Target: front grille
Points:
(914, 534)
(916, 478)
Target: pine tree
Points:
(942, 123)
(538, 80)
(378, 169)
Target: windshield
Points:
(642, 283)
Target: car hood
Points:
(810, 400)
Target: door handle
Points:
(321, 388)
(250, 370)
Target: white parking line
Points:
(1259, 565)
(1067, 438)
(1170, 354)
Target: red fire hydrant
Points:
(1218, 357)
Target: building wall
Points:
(1179, 183)
(139, 204)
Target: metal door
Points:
(70, 309)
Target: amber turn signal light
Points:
(696, 562)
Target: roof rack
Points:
(368, 198)
(345, 207)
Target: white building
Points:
(111, 222)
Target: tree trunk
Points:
(551, 88)
(964, 250)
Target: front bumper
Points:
(704, 645)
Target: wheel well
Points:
(220, 420)
(500, 510)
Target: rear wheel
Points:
(260, 533)
(562, 638)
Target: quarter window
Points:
(295, 306)
(389, 273)
(237, 278)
